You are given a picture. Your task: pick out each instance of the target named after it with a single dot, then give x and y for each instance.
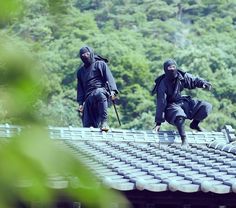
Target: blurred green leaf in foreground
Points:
(30, 163)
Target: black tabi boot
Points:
(195, 125)
(104, 126)
(184, 141)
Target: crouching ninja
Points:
(174, 108)
(92, 94)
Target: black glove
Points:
(207, 86)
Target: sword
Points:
(113, 102)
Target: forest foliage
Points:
(137, 36)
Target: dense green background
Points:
(137, 36)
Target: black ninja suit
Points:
(175, 108)
(91, 89)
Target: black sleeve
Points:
(107, 75)
(80, 88)
(192, 82)
(160, 104)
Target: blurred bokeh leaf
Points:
(33, 167)
(10, 10)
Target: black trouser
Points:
(189, 109)
(95, 108)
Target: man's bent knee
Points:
(179, 120)
(206, 109)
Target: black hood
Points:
(87, 61)
(170, 74)
(169, 62)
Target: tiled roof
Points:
(144, 160)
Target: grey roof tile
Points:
(232, 183)
(231, 171)
(151, 185)
(189, 188)
(233, 164)
(221, 189)
(157, 187)
(122, 185)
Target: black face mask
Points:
(86, 60)
(171, 74)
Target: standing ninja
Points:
(175, 108)
(92, 94)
